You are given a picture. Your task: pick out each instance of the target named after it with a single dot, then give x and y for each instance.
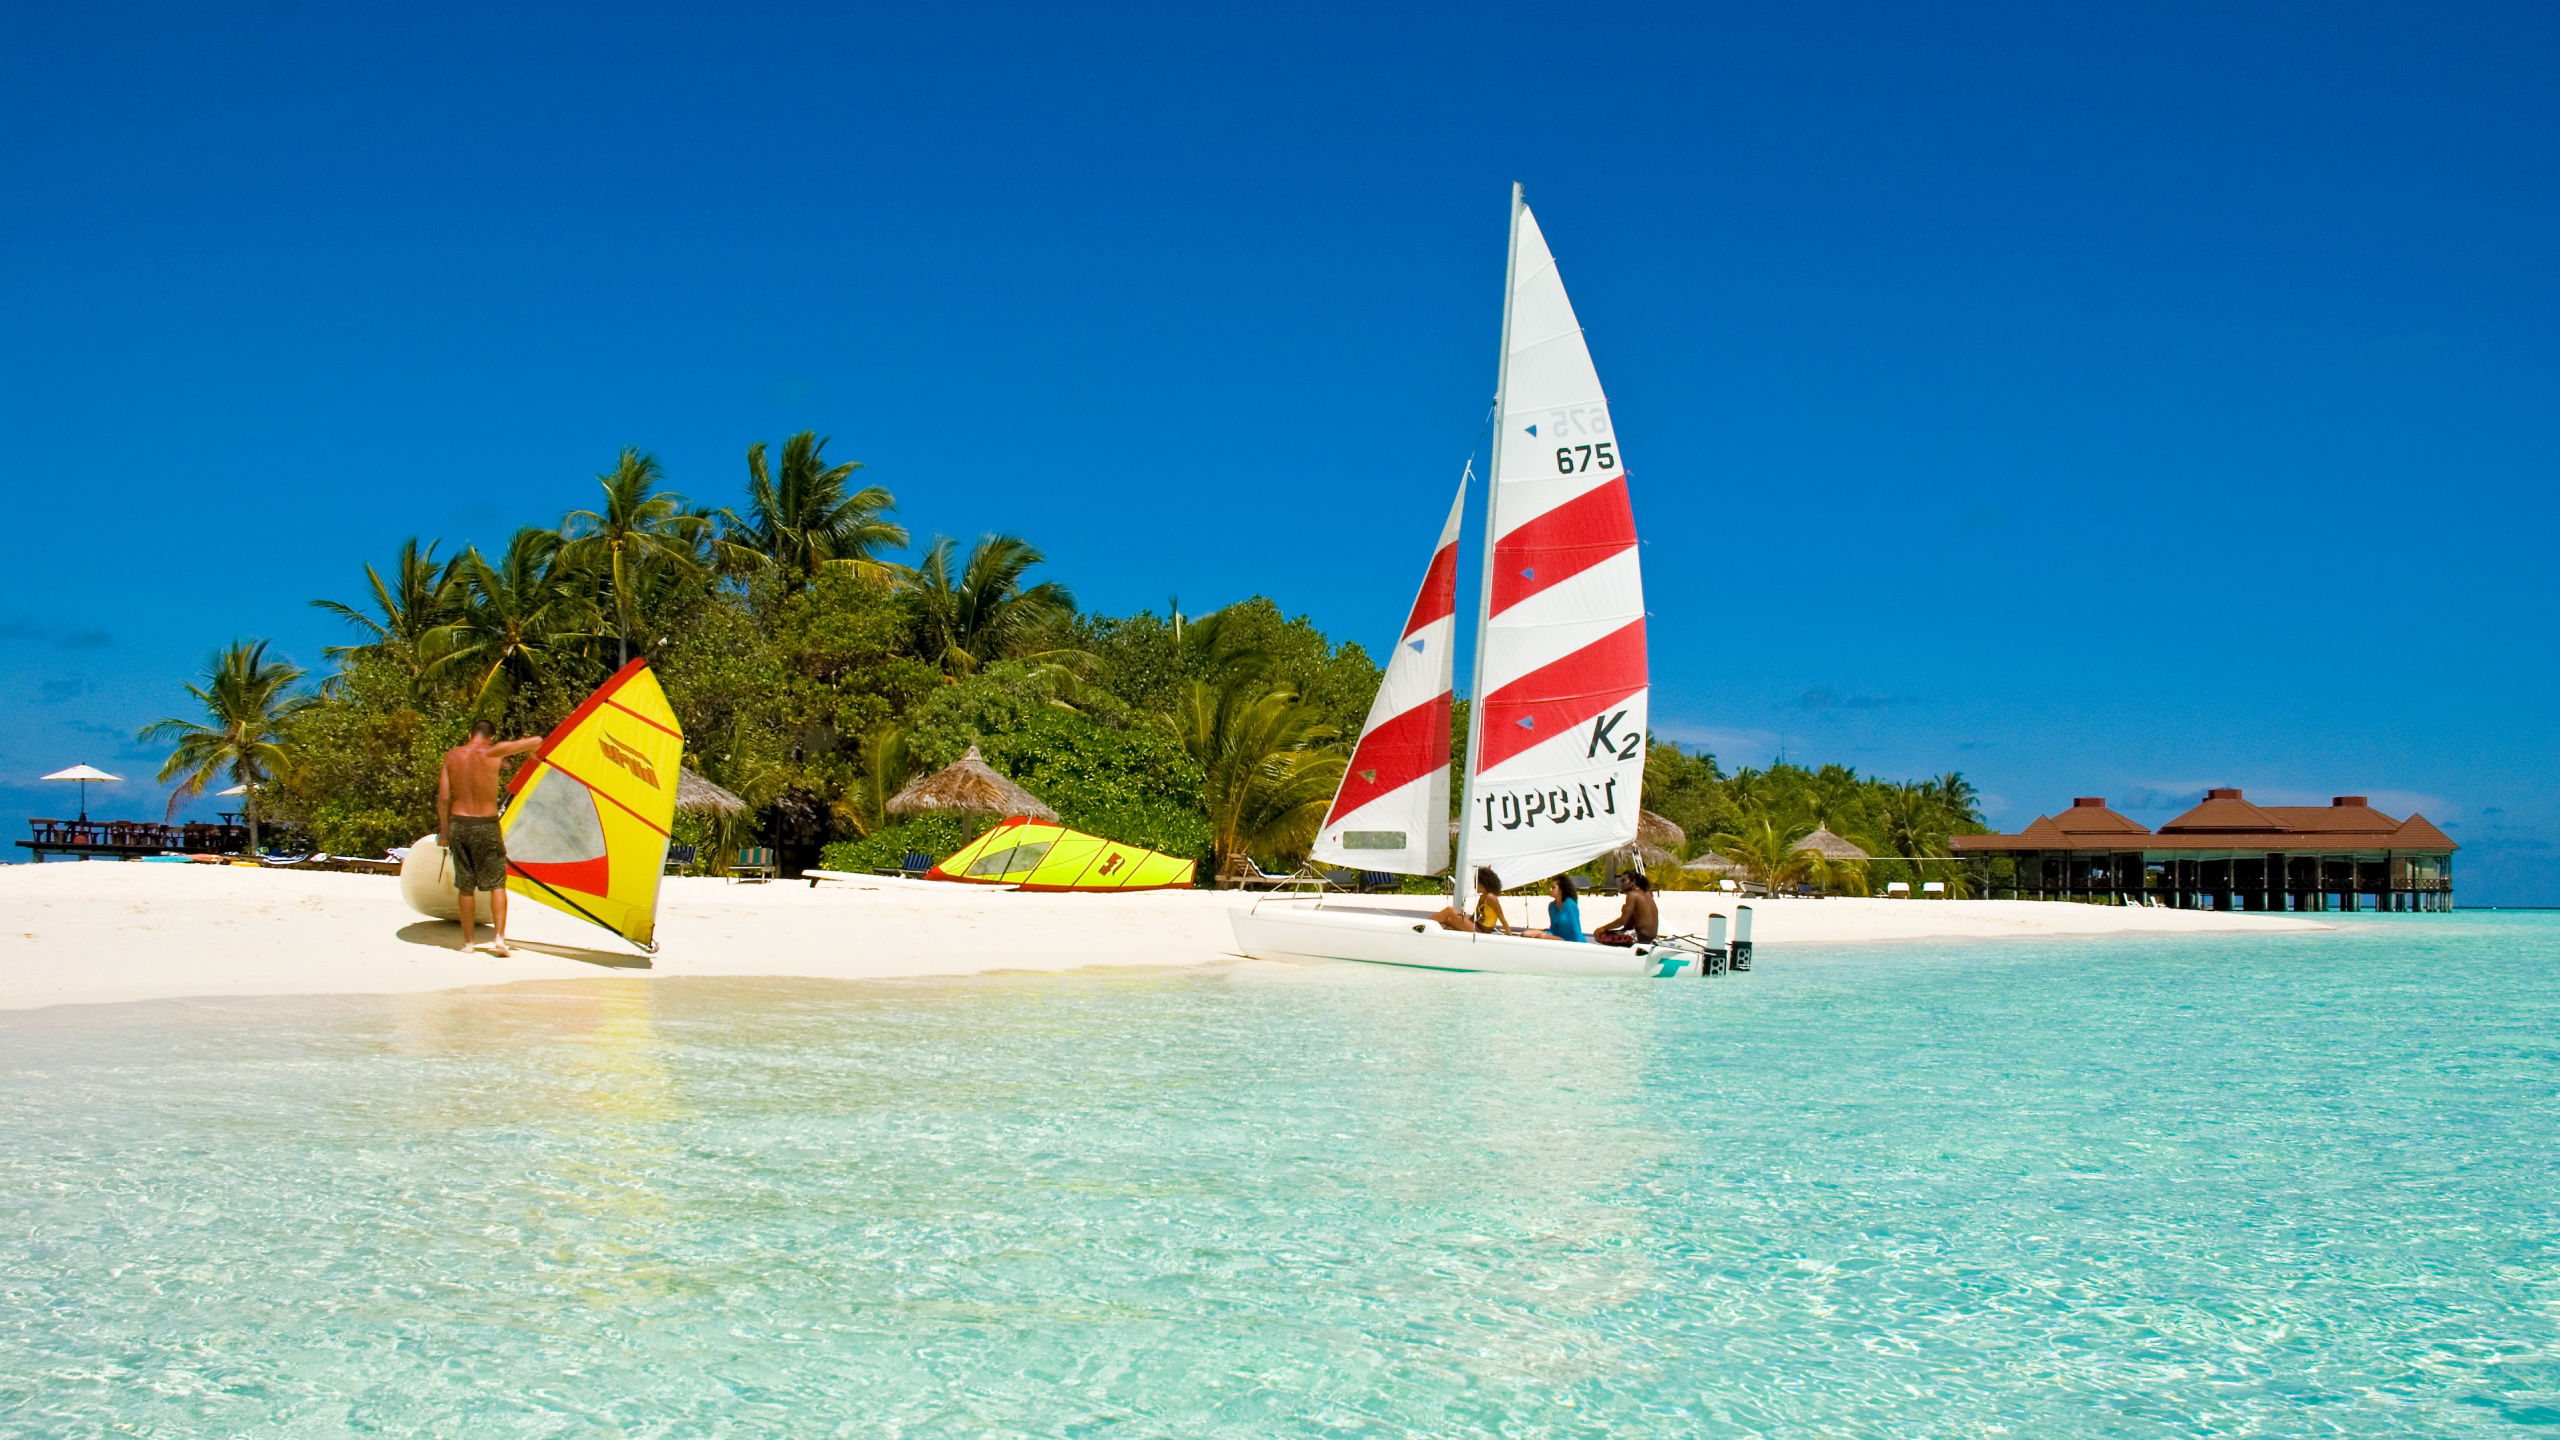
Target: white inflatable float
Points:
(426, 882)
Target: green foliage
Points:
(1146, 661)
(1134, 786)
(813, 677)
(1269, 764)
(366, 761)
(997, 701)
(981, 611)
(802, 522)
(246, 703)
(642, 532)
(1755, 817)
(933, 835)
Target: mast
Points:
(1461, 874)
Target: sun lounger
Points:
(1242, 874)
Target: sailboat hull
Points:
(1305, 930)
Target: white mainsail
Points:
(1556, 750)
(1555, 758)
(1392, 812)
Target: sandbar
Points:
(99, 932)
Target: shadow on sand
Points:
(446, 934)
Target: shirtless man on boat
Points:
(1638, 918)
(467, 823)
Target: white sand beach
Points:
(100, 932)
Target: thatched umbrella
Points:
(700, 796)
(1713, 864)
(1655, 837)
(1831, 847)
(968, 786)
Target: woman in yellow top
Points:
(1488, 919)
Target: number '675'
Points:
(1573, 458)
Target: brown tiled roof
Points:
(2223, 810)
(2224, 821)
(2416, 834)
(2334, 817)
(2089, 815)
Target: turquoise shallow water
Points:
(2283, 1186)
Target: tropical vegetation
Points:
(248, 707)
(816, 674)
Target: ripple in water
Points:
(2297, 1185)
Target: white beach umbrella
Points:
(234, 790)
(84, 774)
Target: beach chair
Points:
(754, 866)
(680, 856)
(1934, 887)
(1897, 890)
(1242, 874)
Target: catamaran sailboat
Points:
(1555, 756)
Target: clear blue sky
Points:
(2098, 399)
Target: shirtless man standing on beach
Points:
(467, 823)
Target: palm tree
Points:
(1749, 789)
(1767, 852)
(1268, 764)
(1957, 794)
(982, 612)
(1912, 824)
(520, 619)
(802, 521)
(413, 602)
(640, 529)
(244, 696)
(885, 765)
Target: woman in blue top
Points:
(1564, 913)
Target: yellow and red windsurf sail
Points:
(587, 830)
(1036, 855)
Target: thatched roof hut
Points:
(1713, 864)
(693, 793)
(1831, 847)
(1640, 856)
(968, 786)
(1655, 844)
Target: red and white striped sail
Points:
(1561, 681)
(1392, 812)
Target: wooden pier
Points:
(131, 839)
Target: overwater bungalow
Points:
(2228, 854)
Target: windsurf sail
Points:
(587, 829)
(1556, 748)
(1392, 811)
(1038, 855)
